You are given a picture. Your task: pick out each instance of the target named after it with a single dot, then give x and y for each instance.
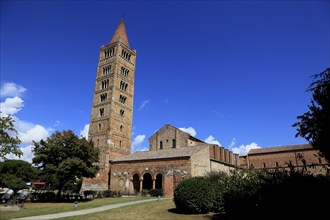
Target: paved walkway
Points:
(84, 211)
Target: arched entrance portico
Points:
(159, 181)
(136, 182)
(147, 181)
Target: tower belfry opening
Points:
(109, 129)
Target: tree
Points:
(15, 174)
(8, 143)
(64, 157)
(314, 125)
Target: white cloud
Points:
(143, 104)
(35, 133)
(189, 130)
(232, 143)
(11, 106)
(84, 132)
(27, 154)
(11, 89)
(138, 140)
(26, 131)
(210, 140)
(244, 149)
(57, 123)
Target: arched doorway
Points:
(159, 181)
(136, 182)
(147, 181)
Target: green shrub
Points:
(144, 192)
(240, 197)
(218, 179)
(195, 195)
(299, 195)
(43, 197)
(107, 193)
(90, 193)
(156, 192)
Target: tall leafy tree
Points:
(15, 174)
(314, 125)
(9, 142)
(64, 157)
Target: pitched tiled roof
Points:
(280, 149)
(161, 154)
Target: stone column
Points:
(131, 186)
(141, 182)
(153, 183)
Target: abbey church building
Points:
(173, 154)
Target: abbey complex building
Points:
(173, 154)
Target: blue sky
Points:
(228, 72)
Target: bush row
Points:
(255, 194)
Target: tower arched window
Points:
(121, 128)
(122, 99)
(109, 53)
(123, 86)
(101, 112)
(124, 72)
(161, 145)
(125, 55)
(106, 70)
(103, 97)
(121, 113)
(105, 84)
(173, 143)
(99, 127)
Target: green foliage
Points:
(299, 195)
(240, 189)
(194, 195)
(64, 159)
(314, 125)
(90, 193)
(8, 138)
(144, 192)
(107, 193)
(14, 174)
(218, 179)
(245, 193)
(43, 197)
(156, 192)
(257, 193)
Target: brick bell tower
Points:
(111, 118)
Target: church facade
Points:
(173, 154)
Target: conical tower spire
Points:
(120, 34)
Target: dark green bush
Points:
(256, 194)
(43, 197)
(107, 193)
(144, 192)
(195, 195)
(294, 195)
(156, 192)
(218, 179)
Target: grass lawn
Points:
(31, 209)
(163, 209)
